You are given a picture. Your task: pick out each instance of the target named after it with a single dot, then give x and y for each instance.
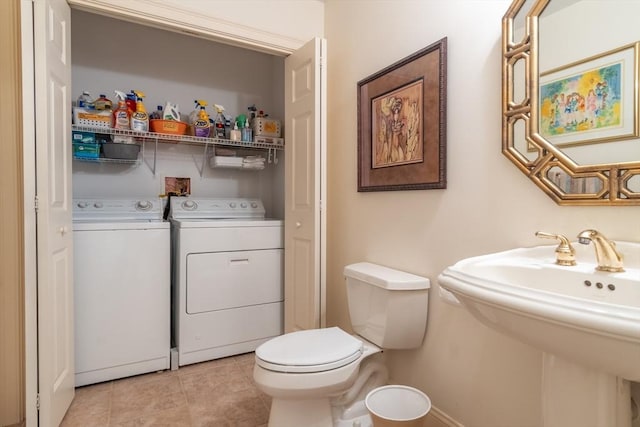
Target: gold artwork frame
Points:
(616, 182)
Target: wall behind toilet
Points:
(475, 375)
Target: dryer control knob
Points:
(189, 205)
(98, 205)
(232, 205)
(82, 205)
(254, 205)
(143, 205)
(243, 205)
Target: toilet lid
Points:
(314, 350)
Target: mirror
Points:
(570, 105)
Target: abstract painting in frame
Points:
(402, 124)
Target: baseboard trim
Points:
(437, 418)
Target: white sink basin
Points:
(523, 293)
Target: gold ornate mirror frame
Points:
(542, 161)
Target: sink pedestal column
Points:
(574, 395)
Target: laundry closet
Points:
(225, 287)
(108, 54)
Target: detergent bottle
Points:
(140, 118)
(219, 123)
(171, 112)
(199, 118)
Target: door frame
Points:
(29, 191)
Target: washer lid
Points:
(314, 350)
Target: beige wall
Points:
(478, 377)
(11, 232)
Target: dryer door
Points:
(224, 280)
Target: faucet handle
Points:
(565, 253)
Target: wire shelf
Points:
(182, 139)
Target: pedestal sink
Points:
(586, 322)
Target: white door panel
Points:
(53, 188)
(305, 187)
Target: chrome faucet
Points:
(609, 259)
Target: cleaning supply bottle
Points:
(140, 118)
(131, 101)
(121, 115)
(247, 132)
(121, 119)
(156, 115)
(219, 123)
(227, 127)
(199, 118)
(103, 103)
(235, 134)
(171, 112)
(85, 101)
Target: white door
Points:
(52, 24)
(305, 187)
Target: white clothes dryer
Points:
(227, 279)
(122, 284)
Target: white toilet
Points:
(320, 377)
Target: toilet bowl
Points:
(310, 372)
(320, 377)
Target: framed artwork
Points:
(402, 123)
(591, 101)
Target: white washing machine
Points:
(122, 283)
(227, 277)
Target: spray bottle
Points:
(131, 101)
(121, 119)
(140, 119)
(200, 125)
(219, 123)
(121, 115)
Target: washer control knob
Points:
(243, 205)
(232, 205)
(98, 205)
(82, 205)
(254, 205)
(189, 205)
(143, 205)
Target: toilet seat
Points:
(315, 350)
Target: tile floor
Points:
(219, 393)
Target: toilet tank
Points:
(387, 307)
